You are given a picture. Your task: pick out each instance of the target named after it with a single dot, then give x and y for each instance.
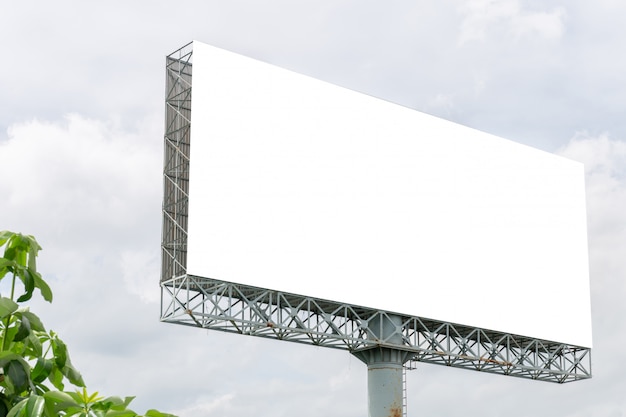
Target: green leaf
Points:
(35, 321)
(73, 411)
(59, 350)
(6, 265)
(9, 253)
(23, 331)
(72, 374)
(116, 403)
(85, 398)
(15, 371)
(17, 408)
(63, 363)
(60, 397)
(20, 257)
(155, 413)
(33, 344)
(46, 292)
(33, 250)
(10, 334)
(121, 413)
(29, 285)
(4, 410)
(34, 406)
(6, 356)
(4, 236)
(41, 389)
(7, 307)
(56, 377)
(57, 401)
(77, 396)
(41, 370)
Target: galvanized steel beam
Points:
(219, 305)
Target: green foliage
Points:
(34, 362)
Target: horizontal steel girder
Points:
(218, 305)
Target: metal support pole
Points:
(384, 367)
(384, 384)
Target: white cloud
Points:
(83, 183)
(442, 104)
(548, 25)
(605, 167)
(496, 18)
(90, 192)
(602, 155)
(208, 406)
(140, 270)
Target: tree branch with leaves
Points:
(34, 362)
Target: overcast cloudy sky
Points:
(81, 127)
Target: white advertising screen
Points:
(305, 187)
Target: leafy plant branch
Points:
(35, 363)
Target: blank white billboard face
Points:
(301, 186)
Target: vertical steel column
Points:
(384, 367)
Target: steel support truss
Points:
(176, 162)
(218, 305)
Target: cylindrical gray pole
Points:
(384, 389)
(384, 367)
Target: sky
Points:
(81, 136)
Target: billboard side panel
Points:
(305, 187)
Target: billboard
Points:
(301, 186)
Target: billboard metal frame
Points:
(236, 308)
(219, 305)
(176, 162)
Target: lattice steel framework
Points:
(176, 163)
(237, 308)
(218, 305)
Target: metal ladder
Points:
(404, 396)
